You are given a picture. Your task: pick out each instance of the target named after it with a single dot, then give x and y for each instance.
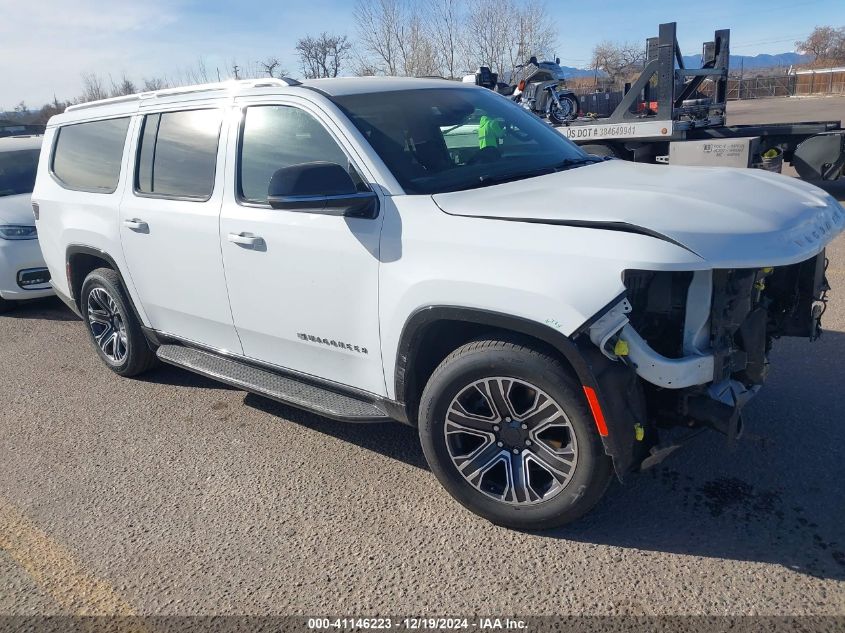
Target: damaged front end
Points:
(690, 349)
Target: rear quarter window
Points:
(88, 156)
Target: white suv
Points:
(543, 316)
(23, 274)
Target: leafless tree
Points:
(22, 109)
(379, 24)
(92, 88)
(488, 39)
(427, 37)
(49, 110)
(124, 86)
(532, 33)
(196, 74)
(155, 83)
(445, 20)
(397, 37)
(363, 66)
(417, 49)
(825, 44)
(272, 67)
(323, 55)
(619, 61)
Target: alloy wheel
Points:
(107, 324)
(510, 440)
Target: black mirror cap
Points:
(320, 187)
(311, 179)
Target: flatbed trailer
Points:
(670, 103)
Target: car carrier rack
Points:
(670, 104)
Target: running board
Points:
(272, 385)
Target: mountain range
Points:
(756, 62)
(746, 62)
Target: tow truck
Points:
(678, 115)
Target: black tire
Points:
(470, 365)
(570, 102)
(136, 356)
(6, 306)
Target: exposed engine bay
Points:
(699, 342)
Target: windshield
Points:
(448, 139)
(17, 171)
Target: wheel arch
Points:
(80, 261)
(431, 320)
(419, 352)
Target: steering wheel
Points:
(517, 133)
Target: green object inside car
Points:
(490, 131)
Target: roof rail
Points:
(100, 102)
(273, 81)
(282, 82)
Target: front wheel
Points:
(113, 327)
(5, 305)
(509, 435)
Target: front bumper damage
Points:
(694, 347)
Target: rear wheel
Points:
(509, 435)
(112, 325)
(567, 111)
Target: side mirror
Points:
(320, 187)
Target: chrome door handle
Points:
(137, 225)
(245, 239)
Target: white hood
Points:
(732, 218)
(17, 209)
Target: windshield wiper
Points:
(568, 163)
(485, 180)
(496, 179)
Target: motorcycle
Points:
(539, 87)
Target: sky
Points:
(46, 45)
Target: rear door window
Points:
(177, 157)
(87, 156)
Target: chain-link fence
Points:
(761, 87)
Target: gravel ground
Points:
(176, 495)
